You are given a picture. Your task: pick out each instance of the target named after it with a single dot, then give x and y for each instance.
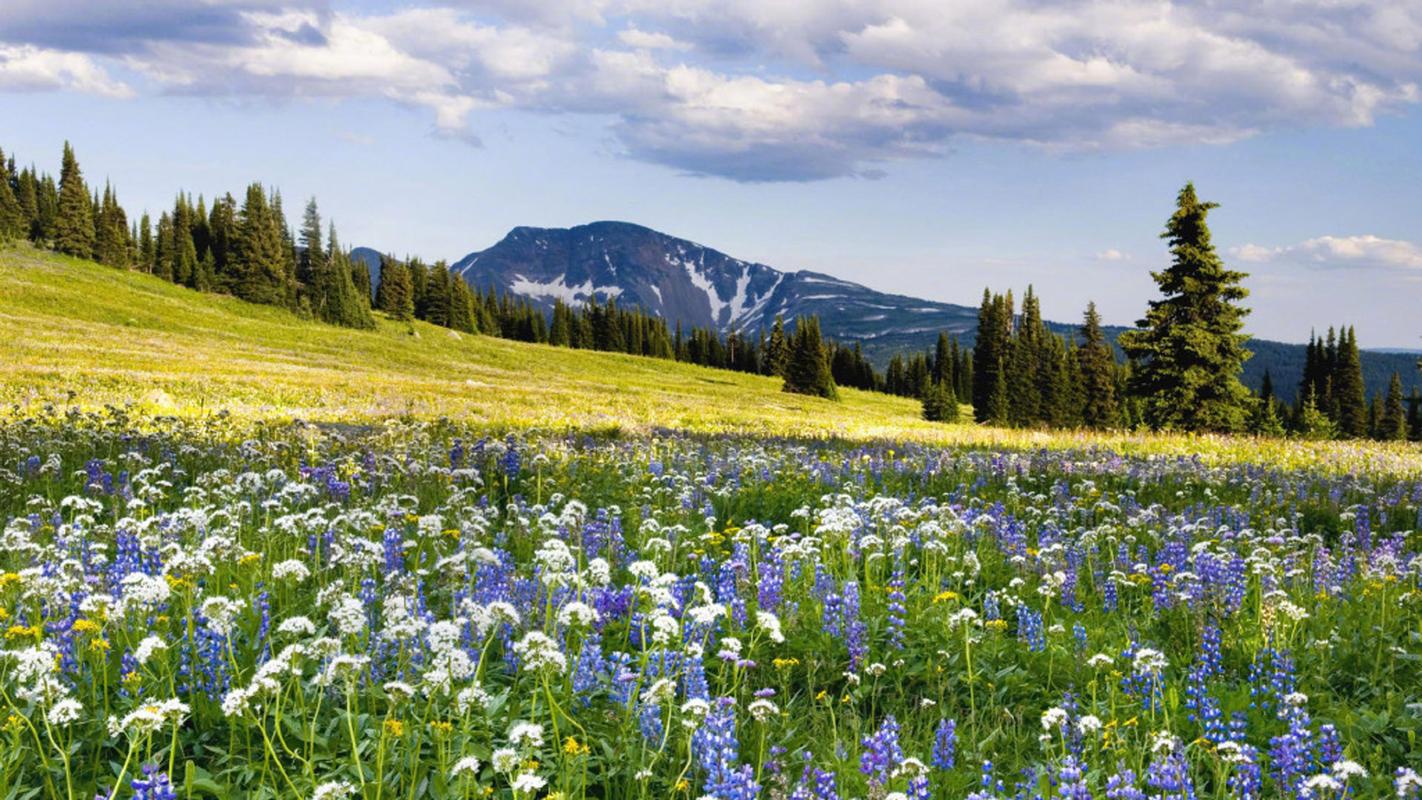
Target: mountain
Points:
(698, 286)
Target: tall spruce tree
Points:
(1349, 394)
(74, 220)
(777, 349)
(1096, 362)
(395, 295)
(807, 369)
(13, 223)
(991, 351)
(1392, 425)
(939, 402)
(1189, 349)
(258, 269)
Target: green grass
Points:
(76, 333)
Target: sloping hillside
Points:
(71, 328)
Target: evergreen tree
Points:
(807, 369)
(990, 355)
(437, 290)
(1265, 420)
(1096, 362)
(74, 223)
(341, 301)
(1313, 423)
(1189, 349)
(164, 244)
(777, 350)
(13, 223)
(461, 306)
(258, 267)
(1348, 392)
(939, 402)
(222, 234)
(1392, 424)
(312, 258)
(1414, 416)
(1024, 397)
(146, 246)
(395, 295)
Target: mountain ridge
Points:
(696, 285)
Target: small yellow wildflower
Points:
(572, 747)
(85, 626)
(394, 727)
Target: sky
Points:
(924, 147)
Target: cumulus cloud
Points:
(26, 68)
(777, 89)
(1339, 252)
(1112, 254)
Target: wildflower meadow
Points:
(200, 609)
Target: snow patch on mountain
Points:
(560, 290)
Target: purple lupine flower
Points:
(882, 753)
(945, 744)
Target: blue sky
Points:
(927, 147)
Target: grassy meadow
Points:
(77, 334)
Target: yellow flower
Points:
(821, 695)
(943, 597)
(131, 677)
(441, 726)
(394, 727)
(13, 723)
(99, 645)
(8, 578)
(785, 663)
(572, 747)
(249, 559)
(682, 785)
(85, 626)
(21, 631)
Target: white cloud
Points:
(1338, 251)
(784, 89)
(1112, 254)
(645, 40)
(26, 68)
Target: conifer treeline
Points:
(1331, 399)
(247, 251)
(1023, 374)
(410, 289)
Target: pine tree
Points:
(1414, 415)
(807, 369)
(146, 251)
(312, 258)
(1392, 424)
(939, 402)
(13, 224)
(1096, 362)
(461, 307)
(990, 355)
(1349, 396)
(1313, 423)
(395, 295)
(257, 267)
(74, 223)
(777, 350)
(1189, 349)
